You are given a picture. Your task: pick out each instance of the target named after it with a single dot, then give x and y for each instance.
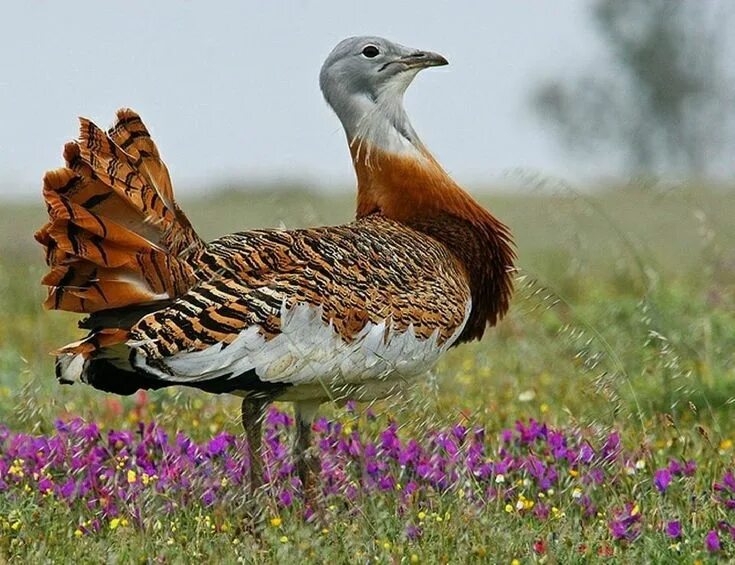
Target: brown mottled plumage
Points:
(346, 311)
(115, 237)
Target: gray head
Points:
(364, 79)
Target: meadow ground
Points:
(595, 423)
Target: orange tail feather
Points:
(115, 235)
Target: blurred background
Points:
(589, 91)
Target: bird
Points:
(308, 316)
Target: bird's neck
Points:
(400, 179)
(396, 174)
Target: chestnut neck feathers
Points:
(363, 80)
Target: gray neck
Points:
(379, 120)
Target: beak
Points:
(423, 60)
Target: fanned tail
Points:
(115, 237)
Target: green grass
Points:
(624, 319)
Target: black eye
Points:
(370, 51)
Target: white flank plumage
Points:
(307, 352)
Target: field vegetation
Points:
(595, 423)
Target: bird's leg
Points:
(308, 465)
(253, 410)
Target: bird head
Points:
(364, 79)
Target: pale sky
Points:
(230, 89)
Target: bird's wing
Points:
(352, 302)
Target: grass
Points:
(623, 325)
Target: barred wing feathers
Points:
(115, 236)
(353, 302)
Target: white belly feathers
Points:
(309, 352)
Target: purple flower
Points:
(321, 425)
(219, 443)
(387, 482)
(729, 481)
(673, 529)
(595, 476)
(91, 432)
(389, 439)
(208, 497)
(675, 467)
(45, 485)
(119, 439)
(625, 525)
(413, 532)
(726, 490)
(586, 453)
(619, 529)
(712, 541)
(285, 498)
(611, 448)
(276, 418)
(532, 432)
(690, 467)
(662, 479)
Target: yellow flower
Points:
(515, 562)
(414, 558)
(556, 513)
(284, 539)
(422, 515)
(508, 508)
(132, 477)
(325, 530)
(544, 408)
(16, 525)
(387, 545)
(573, 472)
(78, 533)
(725, 445)
(16, 468)
(276, 522)
(114, 523)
